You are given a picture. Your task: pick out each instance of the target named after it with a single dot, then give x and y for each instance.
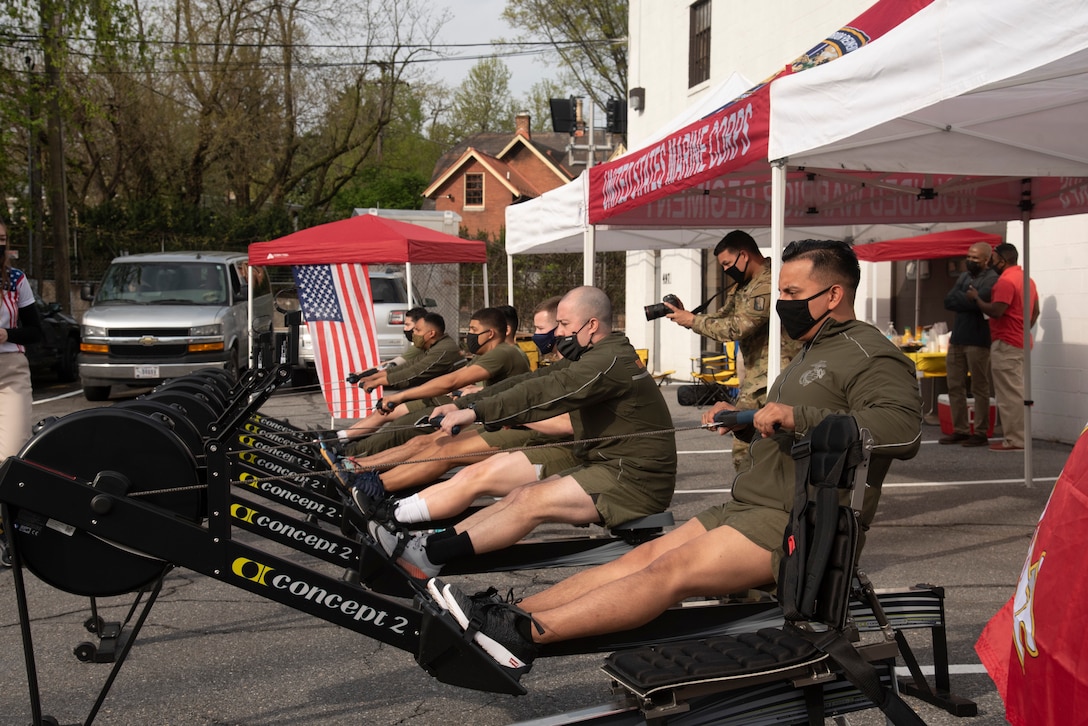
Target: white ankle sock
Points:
(412, 509)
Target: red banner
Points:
(1035, 647)
(730, 139)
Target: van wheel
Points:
(232, 364)
(96, 393)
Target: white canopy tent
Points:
(963, 87)
(558, 220)
(951, 111)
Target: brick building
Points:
(484, 174)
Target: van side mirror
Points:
(430, 302)
(86, 291)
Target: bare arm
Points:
(443, 384)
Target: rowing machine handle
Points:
(437, 423)
(356, 377)
(733, 419)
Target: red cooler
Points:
(944, 414)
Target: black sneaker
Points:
(368, 491)
(494, 627)
(5, 556)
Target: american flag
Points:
(337, 304)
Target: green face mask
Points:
(417, 340)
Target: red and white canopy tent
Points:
(935, 245)
(938, 110)
(346, 247)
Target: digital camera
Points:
(660, 310)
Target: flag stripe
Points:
(336, 301)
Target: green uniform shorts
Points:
(617, 497)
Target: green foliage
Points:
(589, 39)
(383, 188)
(483, 102)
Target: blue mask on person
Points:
(545, 341)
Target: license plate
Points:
(147, 371)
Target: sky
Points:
(480, 21)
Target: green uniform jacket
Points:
(436, 361)
(850, 367)
(607, 392)
(745, 317)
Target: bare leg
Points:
(497, 475)
(556, 499)
(717, 563)
(466, 448)
(411, 449)
(593, 578)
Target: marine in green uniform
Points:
(744, 316)
(493, 360)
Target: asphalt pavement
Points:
(209, 654)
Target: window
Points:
(699, 43)
(474, 190)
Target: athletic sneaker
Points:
(368, 491)
(412, 556)
(495, 628)
(5, 556)
(336, 465)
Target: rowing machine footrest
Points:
(653, 521)
(643, 529)
(446, 654)
(722, 658)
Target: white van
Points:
(164, 315)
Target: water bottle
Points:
(890, 333)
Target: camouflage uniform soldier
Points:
(744, 317)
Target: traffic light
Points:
(615, 112)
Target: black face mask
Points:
(795, 315)
(472, 342)
(735, 273)
(973, 268)
(569, 347)
(408, 334)
(545, 341)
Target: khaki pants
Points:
(961, 360)
(15, 403)
(1007, 368)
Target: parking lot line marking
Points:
(57, 398)
(906, 485)
(966, 669)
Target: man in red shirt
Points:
(1006, 311)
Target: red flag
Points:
(337, 304)
(1035, 648)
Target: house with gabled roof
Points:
(484, 174)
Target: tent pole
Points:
(917, 298)
(487, 293)
(249, 312)
(589, 243)
(510, 280)
(408, 281)
(1029, 474)
(778, 236)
